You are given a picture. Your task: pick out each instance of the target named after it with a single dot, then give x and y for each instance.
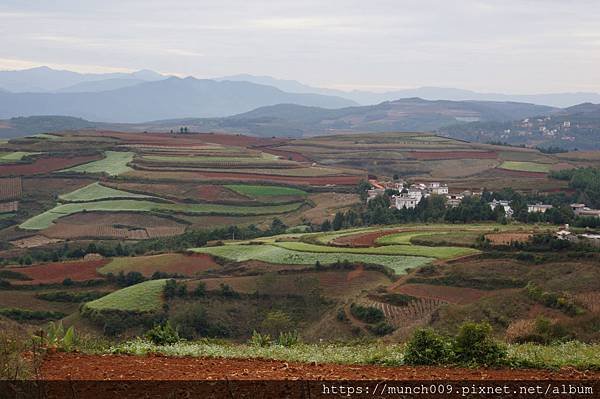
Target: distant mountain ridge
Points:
(161, 99)
(362, 97)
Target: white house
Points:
(505, 204)
(407, 200)
(538, 208)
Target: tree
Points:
(338, 221)
(326, 225)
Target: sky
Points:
(508, 46)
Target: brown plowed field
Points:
(362, 239)
(76, 366)
(507, 238)
(187, 265)
(211, 192)
(457, 295)
(190, 139)
(430, 155)
(284, 154)
(519, 173)
(45, 165)
(10, 188)
(49, 273)
(34, 241)
(6, 207)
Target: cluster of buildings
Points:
(411, 194)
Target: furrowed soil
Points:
(45, 165)
(75, 366)
(56, 272)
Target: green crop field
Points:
(259, 159)
(142, 297)
(411, 250)
(95, 192)
(114, 163)
(185, 264)
(8, 157)
(526, 166)
(44, 220)
(266, 191)
(280, 255)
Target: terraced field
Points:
(95, 192)
(187, 265)
(142, 297)
(266, 191)
(526, 166)
(11, 157)
(46, 219)
(280, 255)
(113, 164)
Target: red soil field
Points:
(10, 188)
(56, 272)
(362, 239)
(45, 165)
(431, 155)
(177, 140)
(457, 295)
(187, 265)
(210, 192)
(77, 366)
(507, 238)
(6, 207)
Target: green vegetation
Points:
(367, 314)
(266, 191)
(570, 354)
(10, 157)
(30, 315)
(142, 297)
(526, 166)
(70, 296)
(279, 255)
(113, 164)
(44, 220)
(95, 192)
(409, 250)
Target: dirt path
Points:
(73, 366)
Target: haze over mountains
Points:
(264, 106)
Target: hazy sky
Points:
(517, 46)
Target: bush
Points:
(30, 315)
(367, 314)
(288, 339)
(163, 334)
(382, 328)
(259, 339)
(67, 296)
(474, 346)
(426, 348)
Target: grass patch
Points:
(10, 157)
(114, 163)
(44, 220)
(95, 192)
(526, 166)
(279, 255)
(266, 191)
(142, 297)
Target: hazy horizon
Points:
(519, 47)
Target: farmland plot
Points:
(142, 297)
(95, 192)
(114, 163)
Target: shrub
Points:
(367, 314)
(30, 315)
(341, 315)
(259, 339)
(199, 291)
(426, 347)
(56, 337)
(288, 339)
(163, 334)
(67, 296)
(276, 322)
(382, 328)
(174, 289)
(474, 345)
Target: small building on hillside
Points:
(436, 188)
(508, 211)
(538, 208)
(408, 200)
(584, 211)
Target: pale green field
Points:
(7, 157)
(142, 297)
(95, 192)
(265, 191)
(526, 166)
(280, 255)
(44, 220)
(114, 163)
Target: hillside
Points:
(576, 127)
(410, 114)
(169, 98)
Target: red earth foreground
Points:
(74, 366)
